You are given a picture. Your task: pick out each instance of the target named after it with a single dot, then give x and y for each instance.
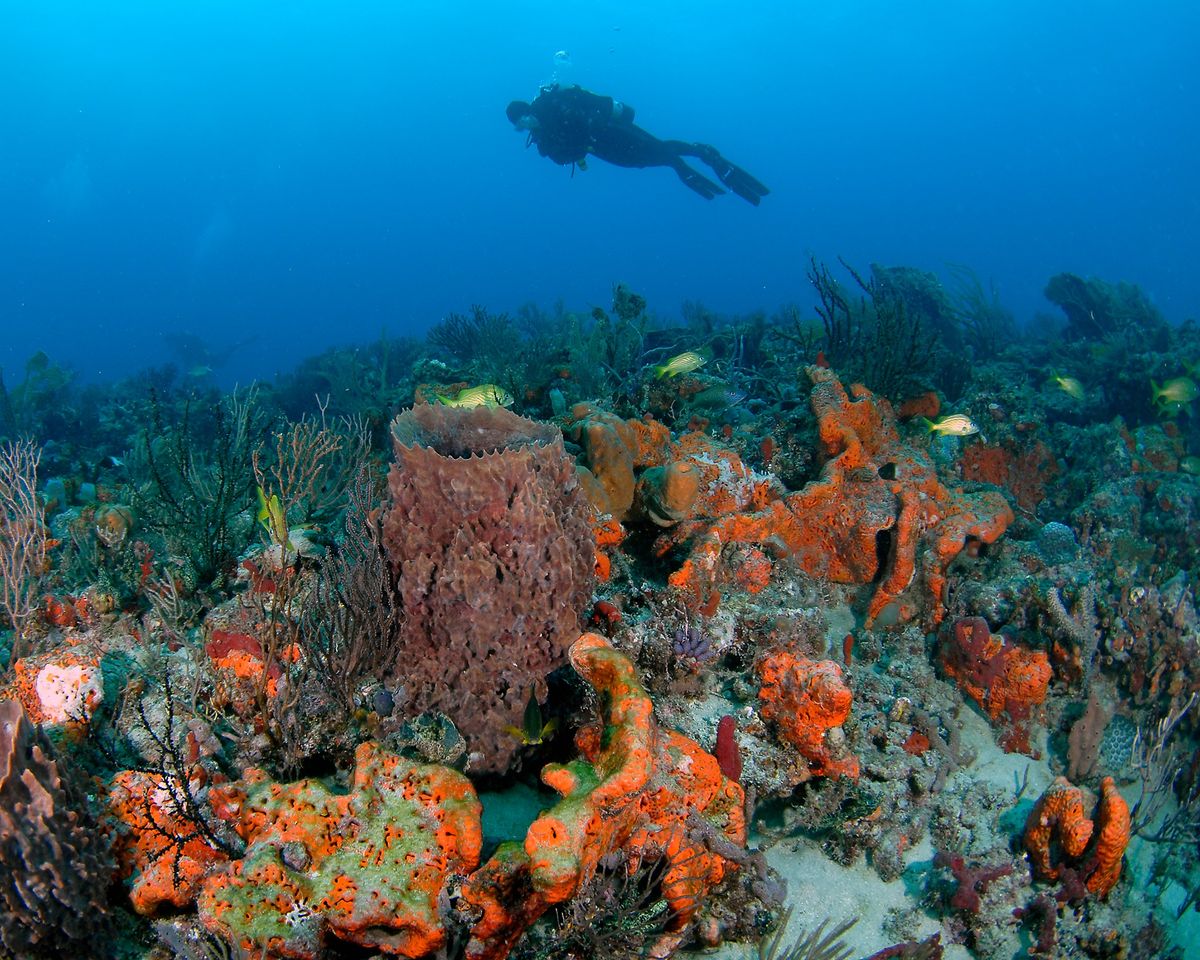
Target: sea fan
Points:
(816, 944)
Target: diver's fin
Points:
(745, 186)
(734, 177)
(698, 181)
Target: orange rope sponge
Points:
(1057, 816)
(1112, 837)
(1096, 847)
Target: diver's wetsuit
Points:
(573, 123)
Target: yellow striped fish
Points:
(684, 363)
(1178, 392)
(485, 395)
(955, 425)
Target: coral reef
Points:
(308, 711)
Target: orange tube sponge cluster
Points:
(1097, 846)
(633, 792)
(607, 533)
(806, 699)
(365, 866)
(613, 450)
(1056, 818)
(633, 470)
(874, 489)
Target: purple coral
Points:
(972, 881)
(691, 644)
(1042, 911)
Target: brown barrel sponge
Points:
(488, 536)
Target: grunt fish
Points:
(684, 363)
(1179, 392)
(272, 516)
(955, 425)
(485, 395)
(718, 397)
(1071, 387)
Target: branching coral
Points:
(23, 537)
(972, 880)
(877, 333)
(195, 482)
(354, 617)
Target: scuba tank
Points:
(622, 112)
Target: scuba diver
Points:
(569, 123)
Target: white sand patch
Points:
(818, 888)
(839, 621)
(997, 768)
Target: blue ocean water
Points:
(311, 173)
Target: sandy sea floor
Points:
(818, 887)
